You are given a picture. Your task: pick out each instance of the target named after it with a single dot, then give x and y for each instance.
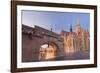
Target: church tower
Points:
(78, 27)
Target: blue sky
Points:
(58, 21)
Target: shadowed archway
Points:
(48, 51)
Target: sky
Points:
(58, 21)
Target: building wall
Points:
(77, 40)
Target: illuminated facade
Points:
(76, 41)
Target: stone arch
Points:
(48, 51)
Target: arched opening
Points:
(48, 51)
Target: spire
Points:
(71, 30)
(78, 27)
(78, 21)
